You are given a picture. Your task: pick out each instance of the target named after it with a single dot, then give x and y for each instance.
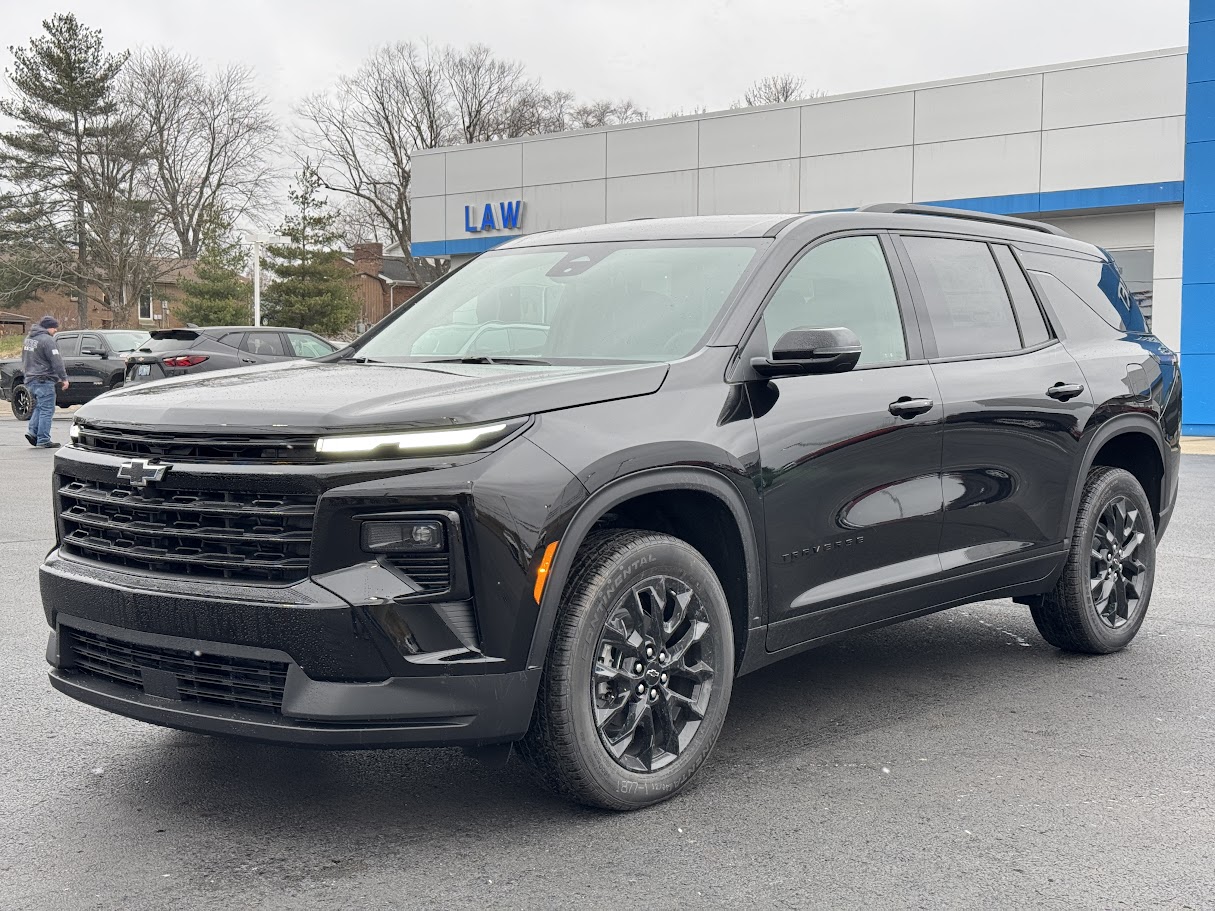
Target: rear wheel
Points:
(638, 676)
(1102, 597)
(22, 403)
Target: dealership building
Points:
(1118, 151)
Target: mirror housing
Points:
(803, 351)
(90, 352)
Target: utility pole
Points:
(255, 242)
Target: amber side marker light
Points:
(546, 563)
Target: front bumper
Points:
(469, 710)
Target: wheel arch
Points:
(1135, 443)
(635, 497)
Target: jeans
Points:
(43, 392)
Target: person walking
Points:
(43, 369)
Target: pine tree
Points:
(63, 107)
(218, 294)
(311, 287)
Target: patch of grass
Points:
(10, 345)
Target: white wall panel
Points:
(992, 107)
(652, 195)
(1112, 154)
(994, 166)
(1131, 90)
(484, 167)
(563, 205)
(1121, 231)
(770, 186)
(428, 175)
(1168, 237)
(875, 122)
(856, 178)
(429, 217)
(476, 204)
(1166, 311)
(741, 138)
(581, 156)
(646, 150)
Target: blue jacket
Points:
(40, 358)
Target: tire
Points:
(22, 403)
(632, 588)
(1101, 599)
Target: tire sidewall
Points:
(634, 565)
(1116, 484)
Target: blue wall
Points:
(1198, 265)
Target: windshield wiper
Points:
(483, 359)
(361, 360)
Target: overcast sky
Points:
(667, 55)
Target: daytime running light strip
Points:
(412, 441)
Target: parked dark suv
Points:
(95, 360)
(737, 438)
(184, 352)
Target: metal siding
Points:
(1130, 90)
(770, 186)
(853, 179)
(565, 159)
(428, 175)
(650, 149)
(744, 138)
(563, 205)
(859, 124)
(992, 166)
(992, 107)
(652, 195)
(1111, 154)
(429, 214)
(484, 167)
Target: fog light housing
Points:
(403, 537)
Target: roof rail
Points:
(898, 208)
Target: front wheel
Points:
(639, 673)
(22, 403)
(1102, 597)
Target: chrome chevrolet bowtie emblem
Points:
(139, 472)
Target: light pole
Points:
(255, 241)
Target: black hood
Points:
(310, 397)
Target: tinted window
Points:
(68, 345)
(171, 340)
(263, 344)
(232, 339)
(965, 296)
(307, 345)
(1097, 283)
(842, 283)
(1029, 314)
(91, 341)
(1136, 268)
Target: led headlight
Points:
(415, 536)
(455, 439)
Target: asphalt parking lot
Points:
(955, 761)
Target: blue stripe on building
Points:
(1198, 261)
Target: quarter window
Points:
(846, 284)
(1029, 315)
(965, 296)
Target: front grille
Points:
(217, 534)
(224, 448)
(243, 683)
(432, 572)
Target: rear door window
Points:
(967, 304)
(263, 344)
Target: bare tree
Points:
(484, 90)
(777, 90)
(605, 112)
(210, 139)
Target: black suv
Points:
(95, 361)
(716, 442)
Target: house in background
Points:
(15, 323)
(381, 282)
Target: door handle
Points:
(247, 360)
(907, 407)
(1064, 391)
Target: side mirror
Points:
(92, 352)
(803, 351)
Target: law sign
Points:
(506, 218)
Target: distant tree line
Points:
(117, 168)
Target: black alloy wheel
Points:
(1116, 573)
(639, 672)
(653, 675)
(1102, 596)
(22, 403)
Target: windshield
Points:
(640, 301)
(126, 341)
